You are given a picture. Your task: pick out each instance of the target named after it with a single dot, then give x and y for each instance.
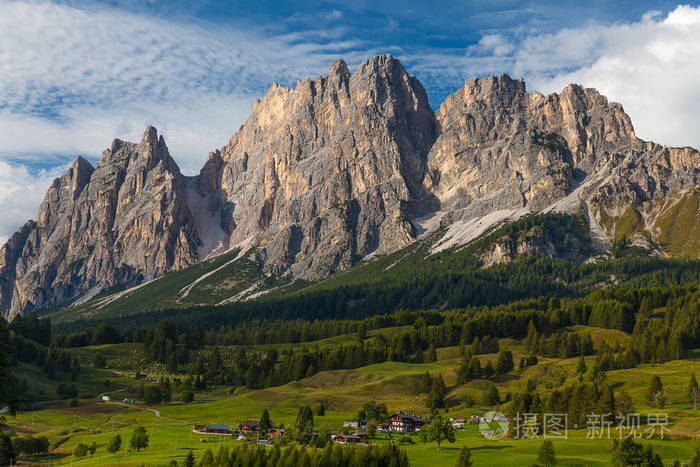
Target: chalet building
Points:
(250, 425)
(275, 432)
(459, 422)
(357, 437)
(213, 429)
(406, 423)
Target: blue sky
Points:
(76, 74)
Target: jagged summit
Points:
(345, 166)
(119, 223)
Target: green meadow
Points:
(342, 392)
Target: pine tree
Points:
(655, 393)
(465, 458)
(606, 402)
(426, 382)
(693, 391)
(305, 419)
(581, 368)
(546, 455)
(207, 459)
(265, 422)
(623, 404)
(436, 397)
(505, 362)
(188, 461)
(531, 338)
(491, 396)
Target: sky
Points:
(74, 75)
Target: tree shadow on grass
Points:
(490, 448)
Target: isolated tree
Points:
(305, 419)
(436, 397)
(439, 430)
(81, 450)
(505, 362)
(425, 382)
(693, 391)
(465, 458)
(623, 404)
(139, 439)
(92, 448)
(546, 455)
(655, 388)
(188, 461)
(474, 369)
(628, 453)
(186, 396)
(265, 422)
(606, 402)
(207, 459)
(581, 368)
(491, 396)
(115, 444)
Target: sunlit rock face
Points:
(348, 165)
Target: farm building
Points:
(402, 422)
(213, 429)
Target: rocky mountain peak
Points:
(339, 70)
(119, 223)
(150, 136)
(336, 168)
(501, 88)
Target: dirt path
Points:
(156, 412)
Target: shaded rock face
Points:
(125, 221)
(341, 167)
(535, 242)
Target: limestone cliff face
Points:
(328, 172)
(117, 224)
(348, 165)
(503, 149)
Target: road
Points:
(156, 412)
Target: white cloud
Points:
(21, 191)
(73, 78)
(85, 76)
(651, 67)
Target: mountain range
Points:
(348, 167)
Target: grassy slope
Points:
(679, 226)
(232, 279)
(164, 291)
(343, 391)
